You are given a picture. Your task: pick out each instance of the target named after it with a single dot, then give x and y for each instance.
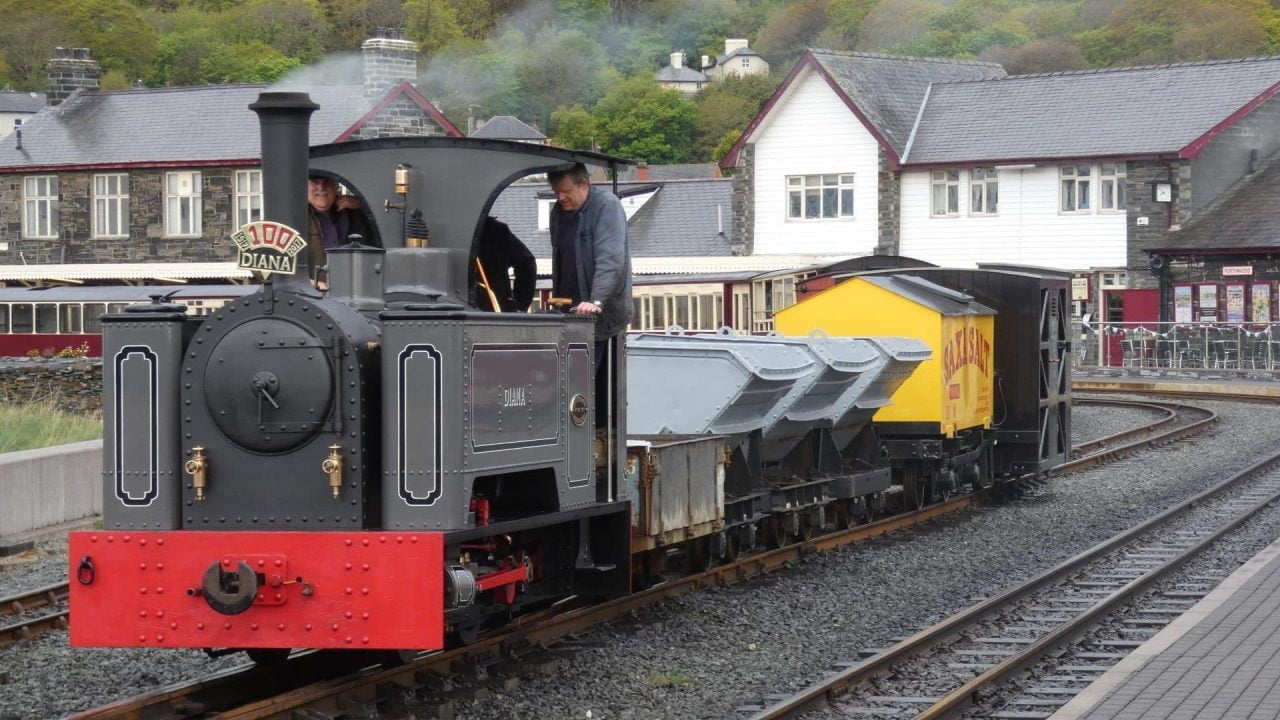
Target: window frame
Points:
(798, 187)
(949, 180)
(1116, 180)
(988, 203)
(1075, 179)
(240, 197)
(120, 198)
(36, 201)
(194, 200)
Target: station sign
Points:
(268, 247)
(1237, 270)
(1079, 288)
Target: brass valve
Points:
(333, 466)
(198, 467)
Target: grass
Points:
(672, 680)
(41, 424)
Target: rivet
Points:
(349, 615)
(159, 591)
(111, 538)
(364, 616)
(160, 614)
(364, 640)
(142, 541)
(348, 566)
(159, 566)
(364, 591)
(199, 626)
(173, 626)
(253, 626)
(142, 591)
(413, 538)
(280, 626)
(348, 638)
(365, 566)
(348, 591)
(334, 627)
(348, 542)
(279, 563)
(126, 538)
(365, 542)
(93, 538)
(142, 613)
(307, 627)
(142, 566)
(159, 638)
(262, 563)
(142, 638)
(226, 626)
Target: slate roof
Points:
(673, 171)
(20, 102)
(679, 220)
(1091, 113)
(684, 73)
(739, 51)
(168, 125)
(1246, 215)
(507, 127)
(888, 89)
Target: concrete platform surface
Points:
(1219, 660)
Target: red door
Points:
(1125, 310)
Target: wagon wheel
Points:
(776, 532)
(845, 514)
(268, 656)
(806, 527)
(699, 553)
(868, 511)
(914, 488)
(733, 543)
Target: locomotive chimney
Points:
(285, 122)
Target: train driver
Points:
(330, 220)
(501, 255)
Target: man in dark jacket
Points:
(330, 220)
(591, 266)
(501, 253)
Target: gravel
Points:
(1091, 422)
(706, 653)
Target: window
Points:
(182, 204)
(69, 322)
(40, 206)
(1075, 188)
(1111, 193)
(93, 313)
(741, 310)
(746, 62)
(984, 191)
(47, 318)
(4, 318)
(22, 317)
(110, 206)
(945, 193)
(819, 197)
(248, 200)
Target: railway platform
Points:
(1219, 660)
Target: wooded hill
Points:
(583, 69)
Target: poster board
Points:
(1182, 303)
(1235, 303)
(1208, 302)
(1261, 303)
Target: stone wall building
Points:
(165, 175)
(955, 163)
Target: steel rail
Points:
(952, 626)
(27, 625)
(536, 629)
(1167, 413)
(1113, 453)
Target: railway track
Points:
(27, 614)
(993, 641)
(230, 694)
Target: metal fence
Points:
(1222, 346)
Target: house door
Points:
(1125, 310)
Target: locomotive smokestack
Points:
(285, 122)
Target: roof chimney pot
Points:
(69, 70)
(388, 61)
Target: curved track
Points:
(523, 643)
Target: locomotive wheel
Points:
(868, 512)
(390, 659)
(915, 488)
(268, 656)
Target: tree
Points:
(563, 67)
(846, 22)
(354, 21)
(253, 62)
(1047, 55)
(433, 24)
(639, 119)
(791, 29)
(574, 128)
(728, 105)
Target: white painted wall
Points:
(6, 121)
(812, 131)
(1028, 229)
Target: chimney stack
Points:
(642, 171)
(731, 44)
(389, 60)
(706, 63)
(70, 69)
(677, 60)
